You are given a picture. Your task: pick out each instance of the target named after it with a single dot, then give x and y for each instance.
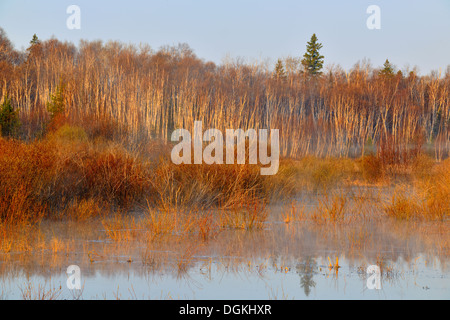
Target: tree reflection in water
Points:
(306, 271)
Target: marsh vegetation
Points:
(86, 176)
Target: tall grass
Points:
(203, 185)
(249, 215)
(429, 199)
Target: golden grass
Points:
(403, 207)
(294, 212)
(16, 238)
(166, 222)
(249, 215)
(330, 209)
(207, 227)
(311, 174)
(84, 210)
(429, 200)
(67, 176)
(436, 192)
(120, 227)
(203, 185)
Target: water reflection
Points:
(306, 270)
(280, 261)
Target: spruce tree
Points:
(34, 49)
(56, 108)
(9, 118)
(312, 59)
(34, 40)
(279, 70)
(388, 69)
(56, 104)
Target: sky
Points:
(413, 32)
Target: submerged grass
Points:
(330, 209)
(252, 214)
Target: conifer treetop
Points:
(312, 59)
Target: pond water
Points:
(293, 260)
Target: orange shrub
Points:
(114, 175)
(25, 173)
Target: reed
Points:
(331, 209)
(249, 215)
(121, 227)
(403, 207)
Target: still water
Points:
(283, 261)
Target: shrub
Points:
(67, 133)
(372, 168)
(25, 172)
(114, 175)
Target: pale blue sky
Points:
(413, 32)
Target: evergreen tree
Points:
(388, 69)
(279, 70)
(312, 60)
(56, 104)
(9, 118)
(34, 40)
(34, 49)
(56, 107)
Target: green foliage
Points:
(279, 70)
(9, 118)
(34, 40)
(67, 133)
(312, 60)
(56, 105)
(388, 69)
